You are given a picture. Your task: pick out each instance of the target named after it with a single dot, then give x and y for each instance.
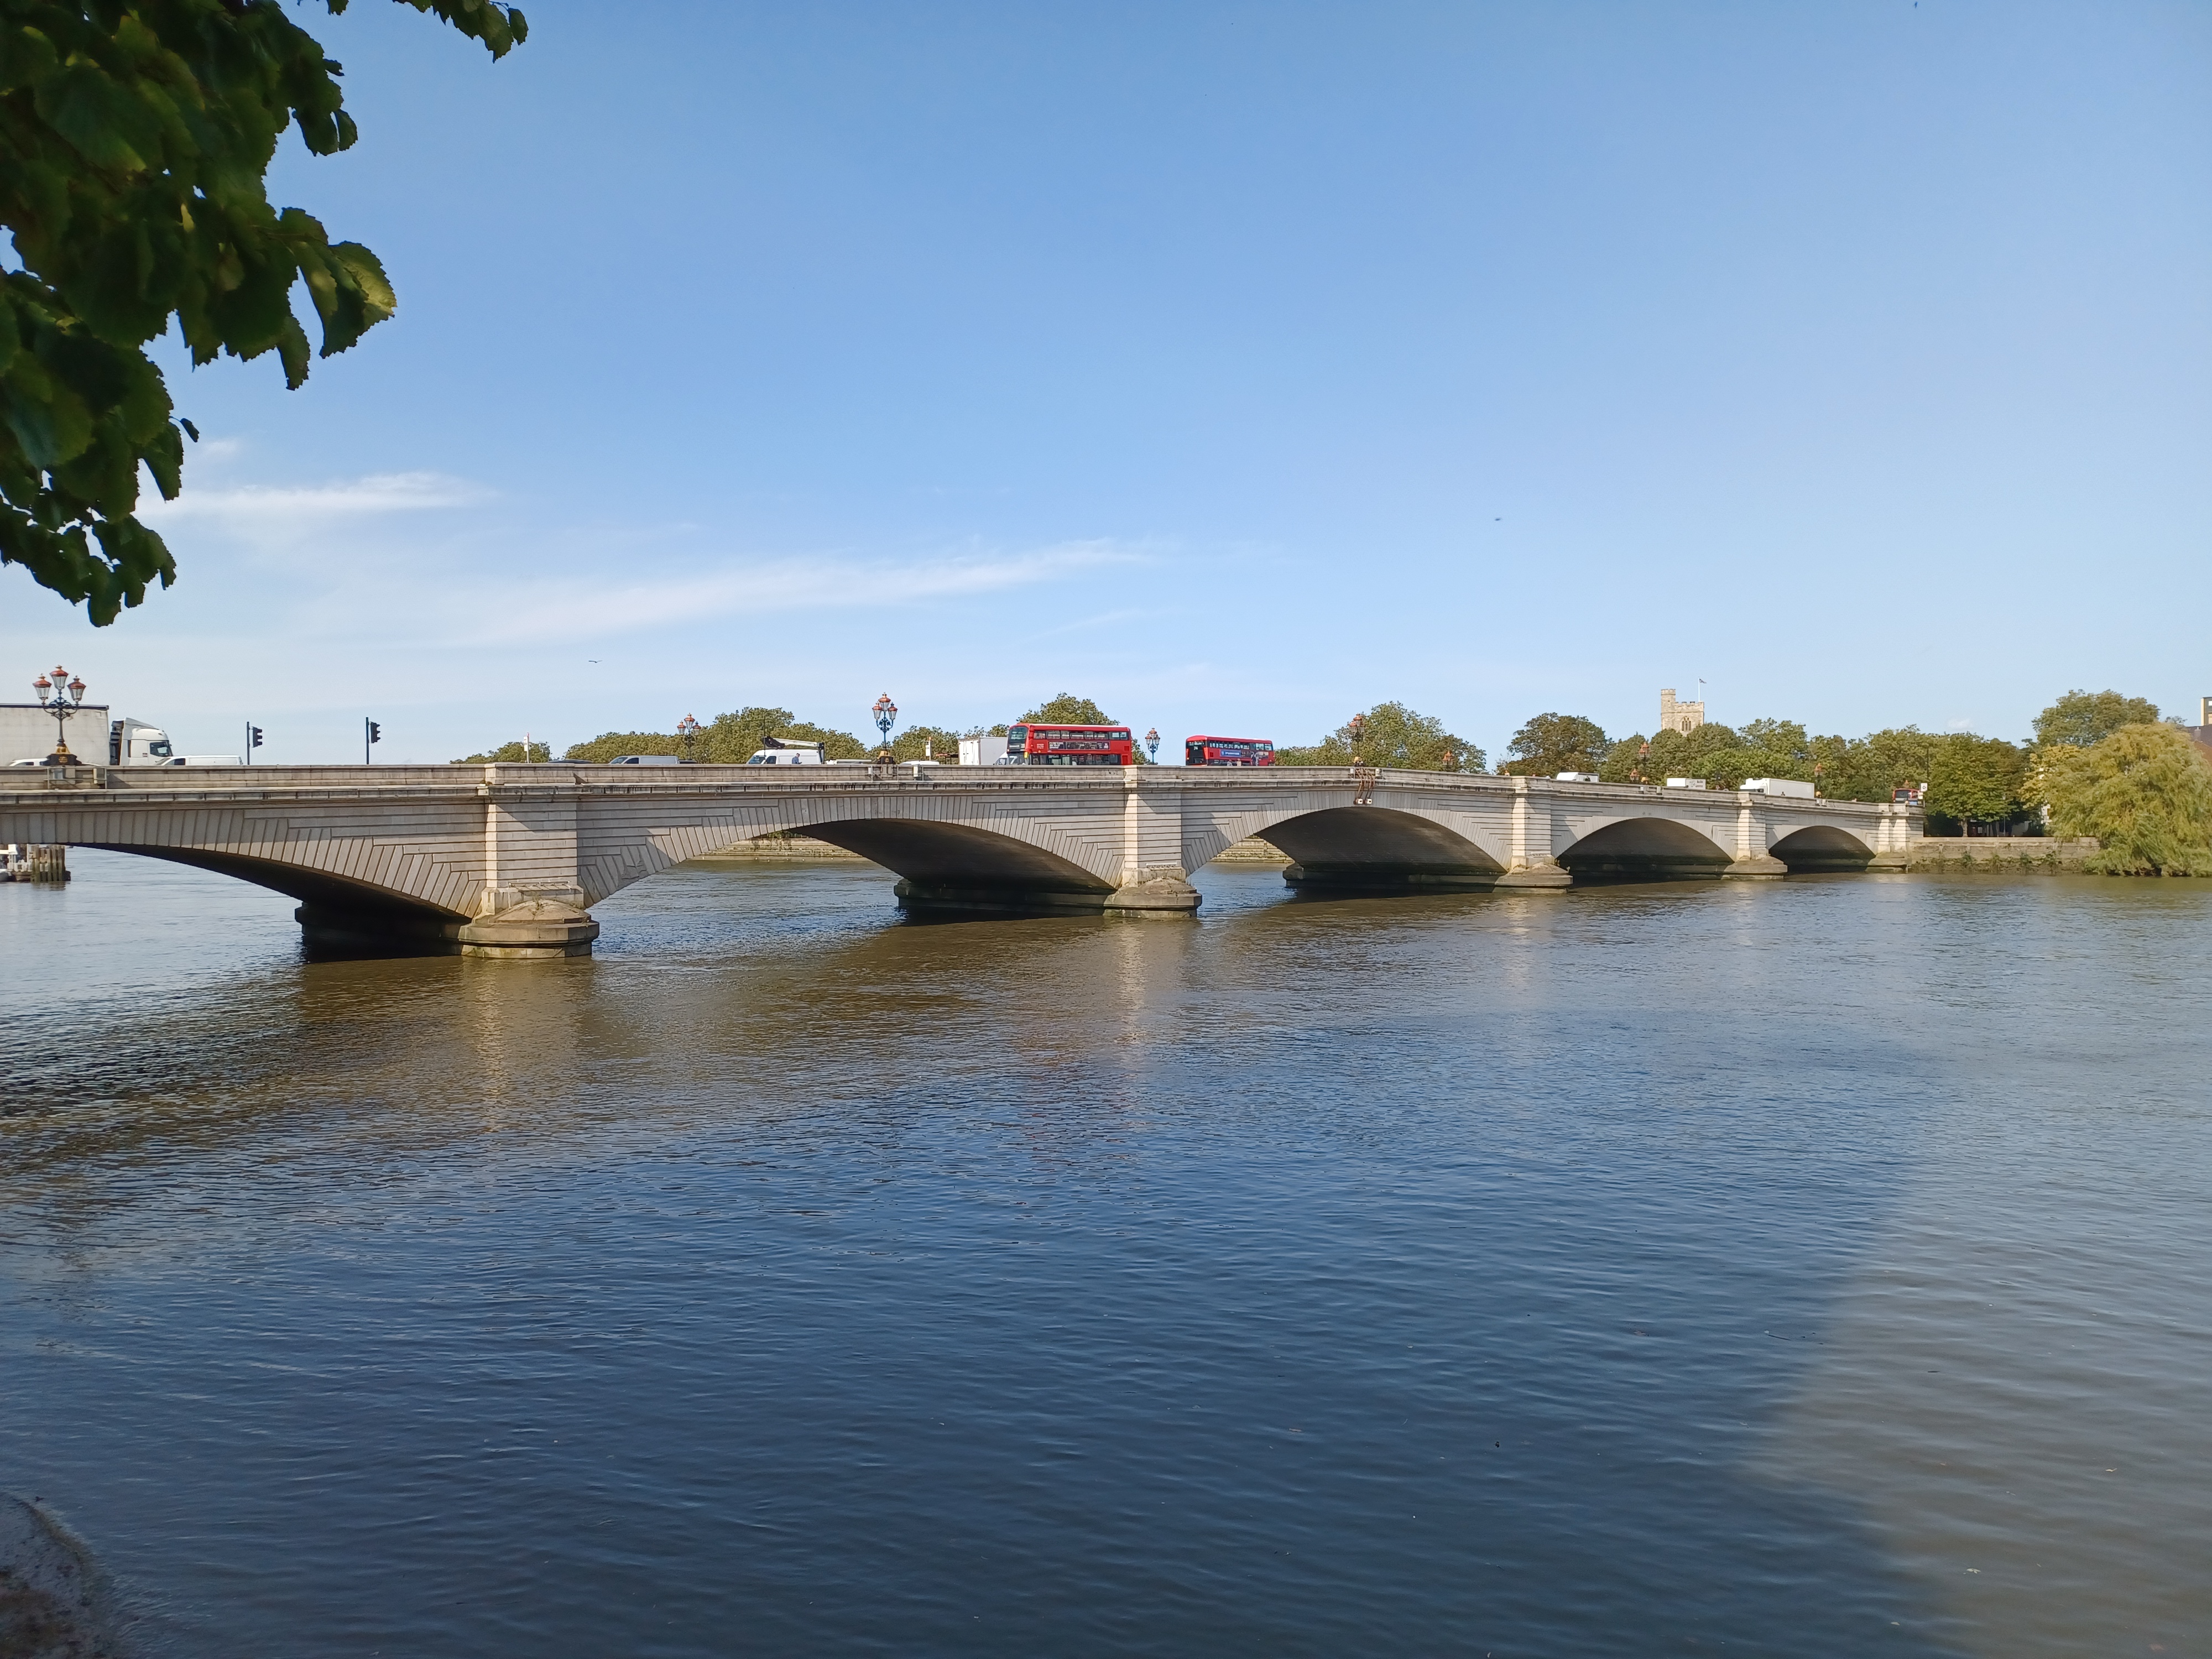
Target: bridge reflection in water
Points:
(507, 860)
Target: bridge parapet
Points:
(509, 859)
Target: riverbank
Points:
(52, 1592)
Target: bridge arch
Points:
(1822, 847)
(1377, 848)
(320, 890)
(1644, 850)
(960, 865)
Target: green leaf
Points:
(136, 137)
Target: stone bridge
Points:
(509, 859)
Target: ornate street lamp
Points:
(885, 714)
(1153, 743)
(687, 729)
(1356, 729)
(59, 696)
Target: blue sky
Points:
(1240, 366)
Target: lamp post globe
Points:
(1152, 744)
(885, 715)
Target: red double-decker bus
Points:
(1228, 752)
(1071, 745)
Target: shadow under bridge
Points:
(954, 867)
(1377, 849)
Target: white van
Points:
(787, 751)
(645, 760)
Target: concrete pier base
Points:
(1545, 877)
(1158, 894)
(533, 930)
(1759, 868)
(534, 927)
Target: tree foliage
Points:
(1068, 709)
(2145, 791)
(729, 740)
(134, 142)
(510, 753)
(926, 743)
(1550, 743)
(2082, 718)
(1974, 780)
(1391, 734)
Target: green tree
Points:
(2145, 792)
(1068, 709)
(1974, 780)
(510, 753)
(1761, 749)
(728, 739)
(1625, 759)
(1685, 754)
(1390, 734)
(2082, 718)
(1550, 743)
(1874, 767)
(134, 142)
(941, 744)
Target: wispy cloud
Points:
(273, 505)
(571, 609)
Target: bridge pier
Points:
(1544, 876)
(1757, 866)
(529, 928)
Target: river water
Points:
(1821, 1267)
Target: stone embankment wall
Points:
(1993, 853)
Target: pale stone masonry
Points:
(1679, 716)
(508, 860)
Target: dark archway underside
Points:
(313, 887)
(1374, 846)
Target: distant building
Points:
(1679, 716)
(2202, 730)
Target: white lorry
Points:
(1790, 786)
(26, 738)
(26, 733)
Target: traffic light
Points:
(252, 741)
(370, 732)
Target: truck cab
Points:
(134, 743)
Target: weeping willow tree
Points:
(2145, 792)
